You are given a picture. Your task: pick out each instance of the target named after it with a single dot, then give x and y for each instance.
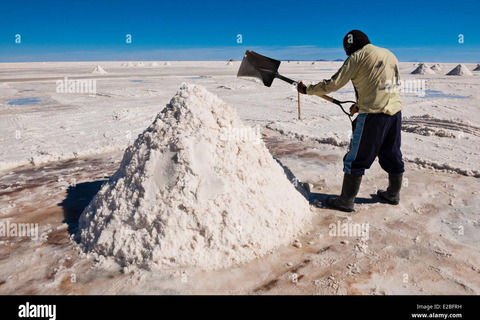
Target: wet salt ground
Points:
(439, 259)
(417, 237)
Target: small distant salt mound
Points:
(477, 68)
(140, 64)
(298, 62)
(99, 70)
(229, 63)
(192, 191)
(129, 65)
(168, 63)
(423, 69)
(154, 64)
(314, 63)
(436, 67)
(460, 70)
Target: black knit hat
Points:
(354, 40)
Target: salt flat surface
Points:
(58, 148)
(442, 132)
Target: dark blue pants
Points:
(375, 134)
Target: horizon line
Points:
(220, 53)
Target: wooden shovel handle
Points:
(353, 109)
(299, 111)
(330, 99)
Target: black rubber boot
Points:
(350, 187)
(392, 195)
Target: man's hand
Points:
(301, 87)
(354, 109)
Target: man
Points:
(378, 126)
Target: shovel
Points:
(266, 69)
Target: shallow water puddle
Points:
(140, 81)
(198, 77)
(439, 94)
(25, 101)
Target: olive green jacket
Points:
(372, 70)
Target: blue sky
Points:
(207, 30)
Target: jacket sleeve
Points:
(339, 79)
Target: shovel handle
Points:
(328, 98)
(299, 110)
(279, 76)
(291, 81)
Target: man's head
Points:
(354, 40)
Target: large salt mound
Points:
(477, 68)
(190, 192)
(423, 69)
(460, 70)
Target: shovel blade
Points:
(257, 66)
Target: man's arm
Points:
(339, 79)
